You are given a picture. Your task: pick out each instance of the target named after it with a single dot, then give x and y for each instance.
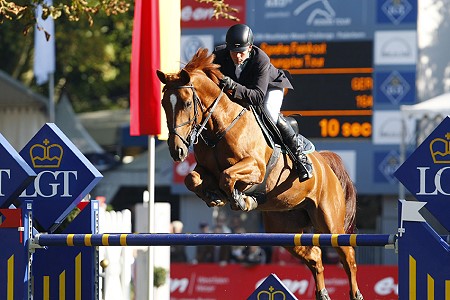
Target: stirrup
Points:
(238, 198)
(304, 168)
(304, 175)
(304, 145)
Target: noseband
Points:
(192, 136)
(196, 128)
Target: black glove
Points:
(227, 83)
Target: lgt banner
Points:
(64, 176)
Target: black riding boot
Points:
(293, 141)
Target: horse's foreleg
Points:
(205, 187)
(236, 178)
(246, 171)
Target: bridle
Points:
(197, 128)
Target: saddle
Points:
(275, 141)
(273, 135)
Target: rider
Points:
(251, 79)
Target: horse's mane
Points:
(204, 62)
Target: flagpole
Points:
(151, 212)
(51, 98)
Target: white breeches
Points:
(272, 103)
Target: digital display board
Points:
(332, 86)
(353, 64)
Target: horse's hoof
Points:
(214, 203)
(358, 296)
(251, 203)
(322, 295)
(213, 199)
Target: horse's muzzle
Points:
(179, 153)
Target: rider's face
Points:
(239, 57)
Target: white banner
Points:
(44, 50)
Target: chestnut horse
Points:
(232, 154)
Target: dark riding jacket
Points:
(256, 78)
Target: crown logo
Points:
(271, 294)
(440, 150)
(45, 155)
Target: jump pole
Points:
(191, 239)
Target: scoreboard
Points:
(332, 86)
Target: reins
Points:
(197, 129)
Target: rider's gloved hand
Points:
(227, 83)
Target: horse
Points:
(232, 154)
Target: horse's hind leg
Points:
(346, 253)
(312, 257)
(296, 221)
(348, 260)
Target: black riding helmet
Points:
(239, 37)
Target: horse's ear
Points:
(185, 77)
(161, 76)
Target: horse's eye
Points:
(188, 104)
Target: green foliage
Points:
(92, 61)
(95, 64)
(159, 276)
(92, 58)
(73, 10)
(70, 217)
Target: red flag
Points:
(145, 87)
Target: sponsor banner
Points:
(181, 169)
(191, 43)
(395, 47)
(235, 281)
(386, 163)
(64, 176)
(200, 15)
(389, 127)
(15, 174)
(322, 20)
(396, 11)
(426, 173)
(395, 87)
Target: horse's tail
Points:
(337, 165)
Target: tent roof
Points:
(439, 105)
(103, 125)
(14, 93)
(69, 123)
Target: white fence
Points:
(115, 282)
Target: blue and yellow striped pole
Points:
(247, 239)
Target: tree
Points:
(10, 10)
(92, 61)
(23, 10)
(93, 47)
